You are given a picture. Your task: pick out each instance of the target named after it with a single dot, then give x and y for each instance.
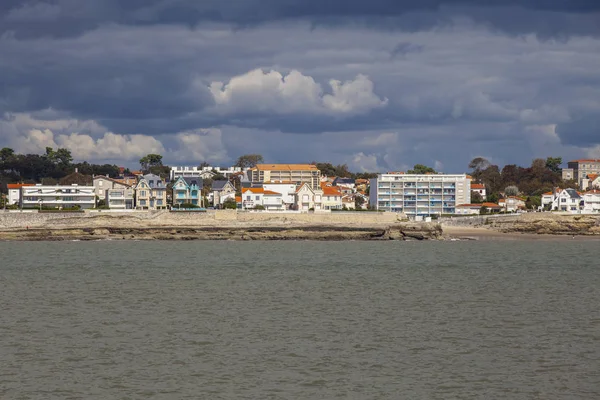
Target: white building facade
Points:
(57, 196)
(203, 172)
(420, 195)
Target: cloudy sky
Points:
(376, 84)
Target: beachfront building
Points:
(14, 192)
(591, 201)
(308, 198)
(332, 197)
(151, 193)
(567, 200)
(116, 194)
(187, 191)
(57, 196)
(295, 173)
(222, 191)
(420, 194)
(202, 172)
(512, 204)
(287, 190)
(256, 196)
(475, 209)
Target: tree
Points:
(421, 169)
(553, 164)
(6, 153)
(483, 210)
(203, 164)
(476, 198)
(358, 202)
(149, 161)
(511, 191)
(249, 160)
(478, 164)
(230, 204)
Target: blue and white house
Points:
(187, 190)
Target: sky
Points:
(379, 85)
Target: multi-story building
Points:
(287, 190)
(187, 191)
(14, 192)
(269, 200)
(332, 197)
(57, 196)
(150, 193)
(420, 195)
(582, 168)
(203, 172)
(116, 194)
(296, 173)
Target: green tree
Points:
(249, 160)
(149, 161)
(358, 202)
(553, 164)
(476, 198)
(230, 204)
(477, 165)
(483, 210)
(511, 191)
(421, 169)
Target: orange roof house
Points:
(18, 185)
(477, 186)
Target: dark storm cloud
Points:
(70, 17)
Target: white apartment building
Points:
(591, 201)
(295, 173)
(57, 196)
(420, 195)
(202, 172)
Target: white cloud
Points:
(199, 145)
(258, 91)
(364, 162)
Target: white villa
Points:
(57, 196)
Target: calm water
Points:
(300, 320)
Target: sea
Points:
(300, 320)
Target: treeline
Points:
(48, 168)
(342, 171)
(542, 176)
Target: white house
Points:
(332, 197)
(256, 196)
(567, 200)
(14, 192)
(57, 196)
(591, 200)
(512, 204)
(307, 198)
(286, 189)
(479, 188)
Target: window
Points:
(100, 183)
(248, 198)
(143, 193)
(159, 202)
(257, 198)
(142, 202)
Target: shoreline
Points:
(485, 234)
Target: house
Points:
(348, 202)
(187, 190)
(512, 204)
(547, 199)
(591, 201)
(253, 197)
(76, 178)
(287, 190)
(479, 188)
(580, 169)
(332, 197)
(151, 193)
(591, 181)
(567, 200)
(475, 209)
(221, 191)
(307, 198)
(206, 172)
(346, 182)
(14, 192)
(116, 194)
(57, 196)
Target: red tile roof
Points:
(477, 186)
(18, 185)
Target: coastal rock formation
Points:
(540, 223)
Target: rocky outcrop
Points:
(400, 231)
(550, 224)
